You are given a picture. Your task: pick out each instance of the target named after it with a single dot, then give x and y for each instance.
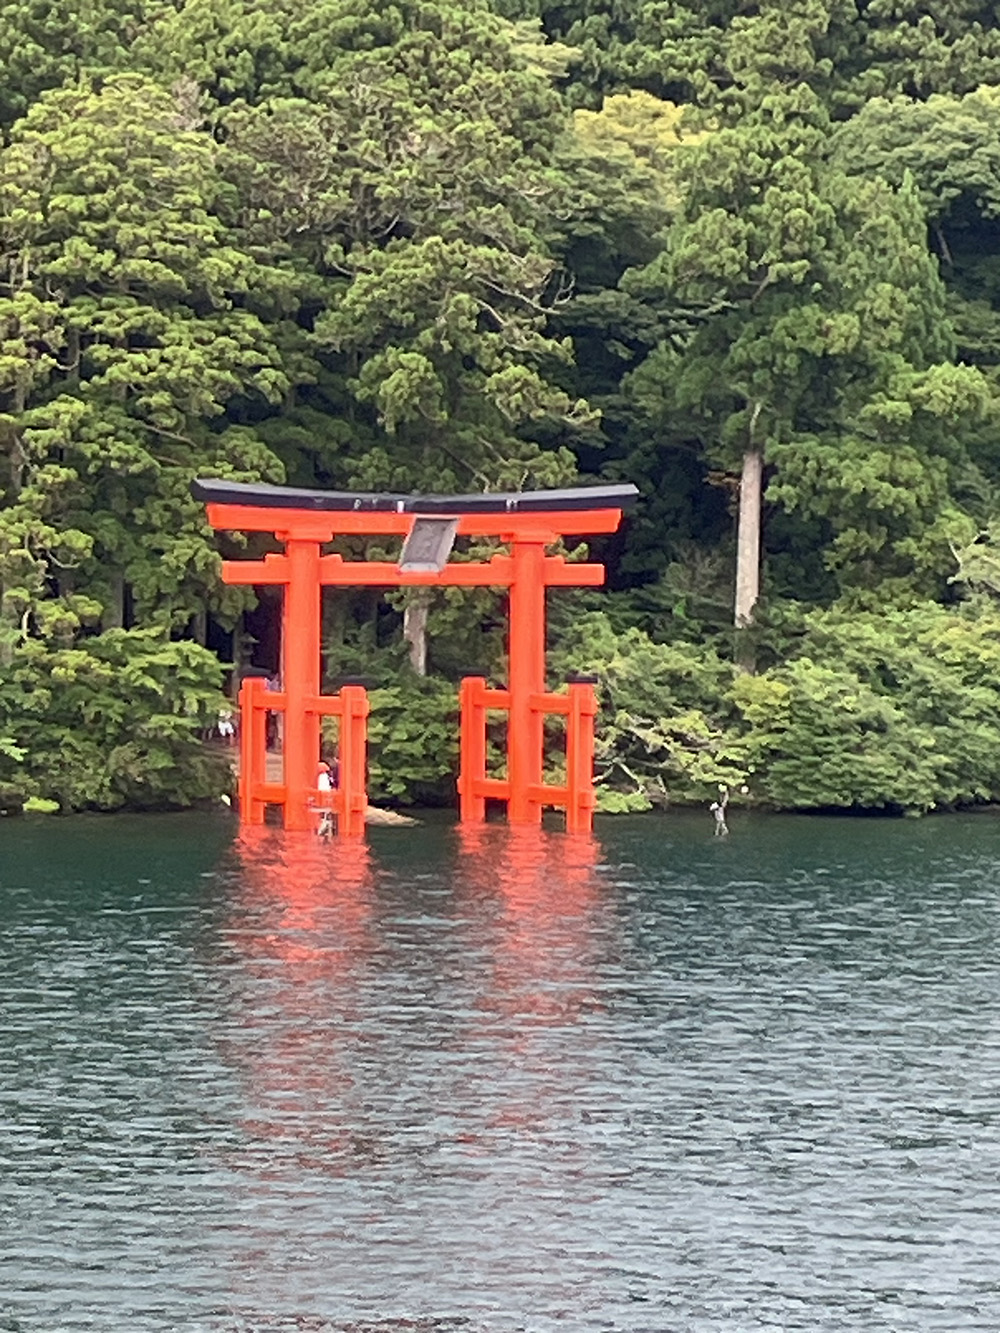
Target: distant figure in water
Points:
(718, 811)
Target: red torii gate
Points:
(303, 520)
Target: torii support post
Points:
(576, 795)
(253, 749)
(348, 800)
(580, 798)
(527, 522)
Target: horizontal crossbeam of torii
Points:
(304, 520)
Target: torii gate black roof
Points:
(262, 495)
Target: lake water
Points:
(500, 1081)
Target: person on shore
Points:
(324, 785)
(226, 726)
(718, 811)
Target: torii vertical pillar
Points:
(526, 677)
(300, 665)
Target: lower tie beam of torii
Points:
(527, 522)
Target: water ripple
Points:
(486, 1081)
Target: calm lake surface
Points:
(646, 1082)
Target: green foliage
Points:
(413, 743)
(661, 727)
(979, 561)
(403, 155)
(125, 343)
(949, 146)
(45, 46)
(13, 785)
(899, 711)
(10, 751)
(917, 49)
(115, 721)
(38, 805)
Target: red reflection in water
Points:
(408, 1028)
(543, 961)
(549, 891)
(322, 1040)
(301, 931)
(304, 885)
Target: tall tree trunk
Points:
(415, 629)
(73, 349)
(748, 538)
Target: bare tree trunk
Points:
(748, 538)
(942, 241)
(73, 358)
(415, 629)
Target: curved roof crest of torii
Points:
(261, 495)
(291, 511)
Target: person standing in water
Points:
(324, 784)
(718, 811)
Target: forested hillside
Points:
(744, 255)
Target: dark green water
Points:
(651, 1082)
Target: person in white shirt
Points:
(718, 811)
(324, 784)
(227, 725)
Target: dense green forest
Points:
(744, 255)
